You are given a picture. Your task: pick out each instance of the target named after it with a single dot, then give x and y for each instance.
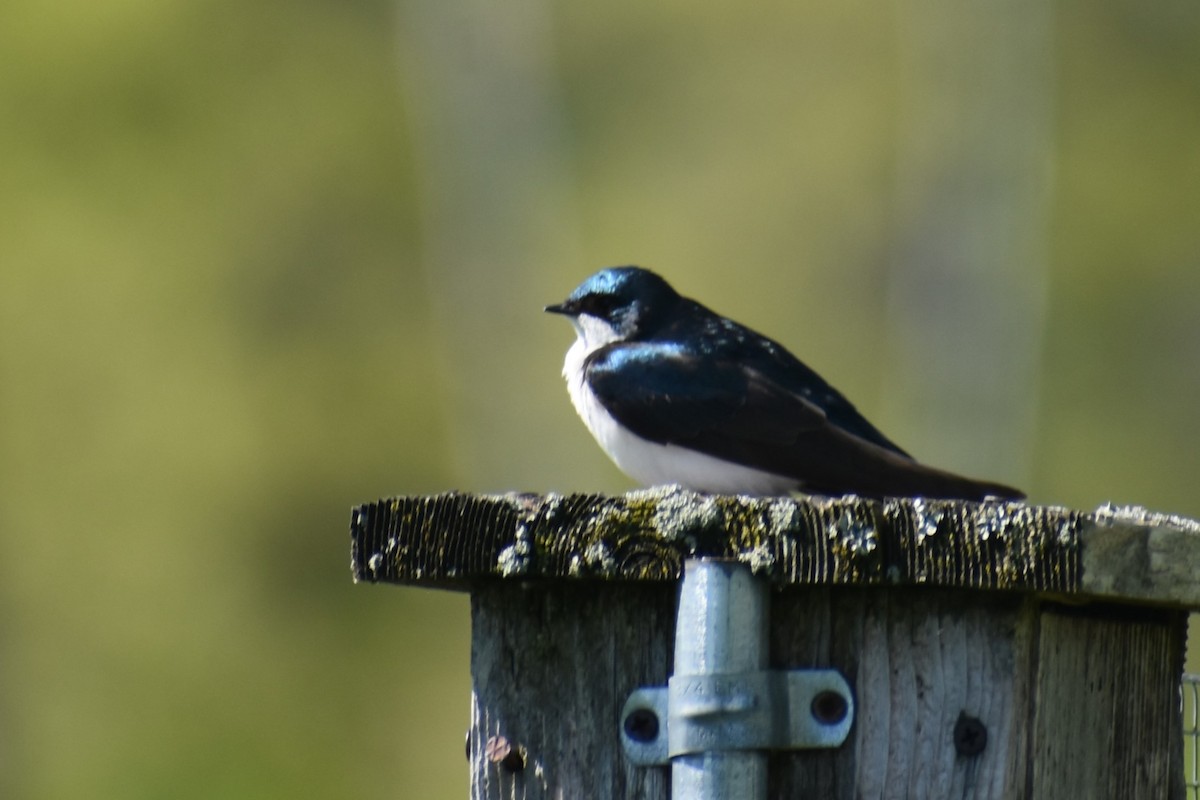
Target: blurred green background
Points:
(262, 261)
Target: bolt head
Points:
(499, 750)
(970, 735)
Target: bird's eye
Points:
(598, 305)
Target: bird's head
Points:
(617, 304)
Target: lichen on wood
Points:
(453, 539)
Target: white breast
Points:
(647, 462)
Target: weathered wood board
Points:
(453, 540)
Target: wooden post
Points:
(995, 650)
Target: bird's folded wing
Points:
(671, 395)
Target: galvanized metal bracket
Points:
(766, 710)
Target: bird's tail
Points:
(917, 480)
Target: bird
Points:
(675, 393)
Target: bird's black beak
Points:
(561, 308)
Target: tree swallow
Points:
(676, 393)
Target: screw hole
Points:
(641, 725)
(829, 707)
(970, 736)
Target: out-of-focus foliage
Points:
(225, 318)
(214, 341)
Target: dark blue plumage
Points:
(678, 394)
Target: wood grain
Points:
(1106, 719)
(1074, 703)
(918, 661)
(452, 540)
(551, 667)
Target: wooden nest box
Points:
(898, 649)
